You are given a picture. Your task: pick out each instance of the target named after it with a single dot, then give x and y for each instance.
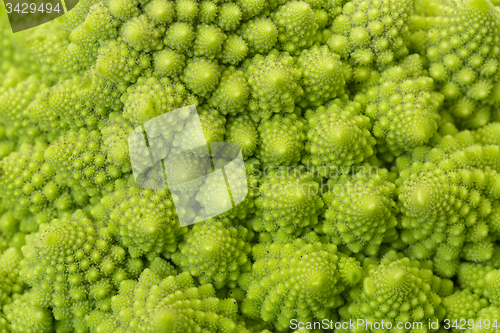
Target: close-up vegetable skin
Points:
(336, 167)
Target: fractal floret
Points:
(402, 106)
(288, 200)
(173, 304)
(454, 193)
(362, 182)
(338, 139)
(73, 265)
(144, 221)
(398, 290)
(301, 280)
(461, 41)
(361, 211)
(215, 252)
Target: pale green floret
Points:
(251, 8)
(140, 33)
(397, 291)
(463, 305)
(12, 284)
(486, 321)
(208, 42)
(260, 34)
(169, 62)
(461, 41)
(239, 186)
(4, 325)
(361, 210)
(445, 205)
(17, 98)
(296, 23)
(201, 76)
(48, 51)
(167, 304)
(371, 33)
(151, 97)
(208, 12)
(180, 36)
(160, 11)
(74, 59)
(289, 199)
(16, 125)
(274, 84)
(35, 197)
(492, 287)
(370, 136)
(298, 280)
(235, 50)
(115, 141)
(186, 10)
(82, 101)
(403, 106)
(488, 135)
(322, 75)
(99, 24)
(350, 270)
(24, 317)
(317, 4)
(242, 131)
(451, 140)
(232, 93)
(144, 221)
(9, 224)
(215, 252)
(73, 266)
(186, 171)
(338, 138)
(229, 17)
(281, 140)
(213, 195)
(472, 276)
(81, 163)
(117, 62)
(213, 124)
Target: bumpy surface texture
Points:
(370, 136)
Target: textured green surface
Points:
(370, 131)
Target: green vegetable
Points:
(370, 135)
(398, 291)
